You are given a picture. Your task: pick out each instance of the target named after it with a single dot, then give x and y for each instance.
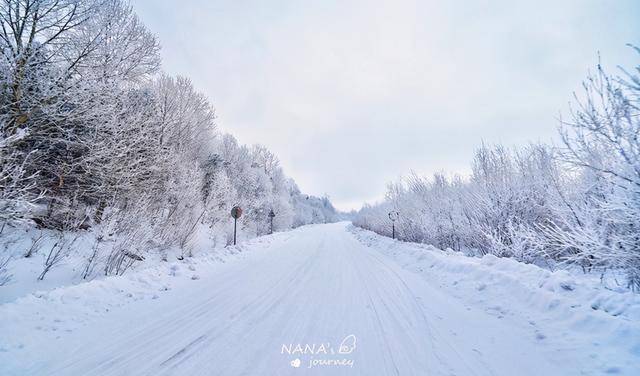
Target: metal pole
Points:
(235, 222)
(393, 216)
(272, 225)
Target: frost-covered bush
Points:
(602, 143)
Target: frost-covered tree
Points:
(602, 144)
(94, 137)
(40, 53)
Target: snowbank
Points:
(23, 271)
(568, 305)
(65, 305)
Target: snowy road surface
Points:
(292, 302)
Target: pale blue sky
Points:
(352, 94)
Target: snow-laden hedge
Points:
(577, 205)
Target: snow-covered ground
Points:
(325, 300)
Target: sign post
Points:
(236, 212)
(271, 216)
(393, 216)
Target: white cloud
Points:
(350, 94)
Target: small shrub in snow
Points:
(5, 276)
(58, 251)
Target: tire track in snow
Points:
(421, 309)
(265, 301)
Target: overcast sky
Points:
(352, 94)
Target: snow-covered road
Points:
(294, 302)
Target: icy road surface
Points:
(314, 301)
